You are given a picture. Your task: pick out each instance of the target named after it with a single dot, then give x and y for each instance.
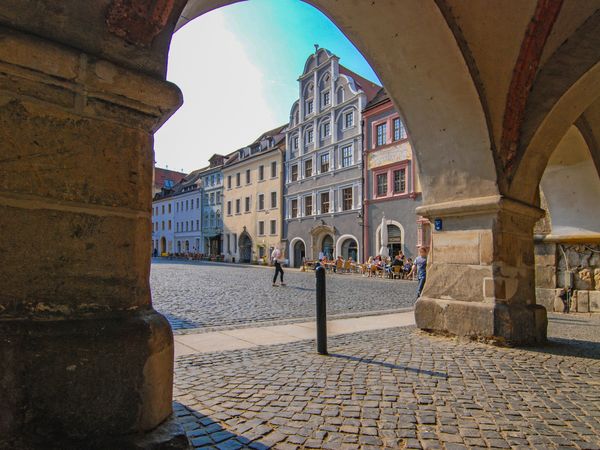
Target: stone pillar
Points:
(480, 277)
(83, 354)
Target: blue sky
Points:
(238, 68)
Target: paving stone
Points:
(259, 397)
(176, 285)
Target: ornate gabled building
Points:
(252, 193)
(323, 168)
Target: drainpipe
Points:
(364, 206)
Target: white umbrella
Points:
(383, 251)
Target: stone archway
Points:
(245, 247)
(297, 252)
(393, 223)
(345, 249)
(87, 90)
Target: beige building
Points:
(252, 216)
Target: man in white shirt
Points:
(276, 261)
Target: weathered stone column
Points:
(83, 354)
(480, 278)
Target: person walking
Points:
(420, 265)
(276, 261)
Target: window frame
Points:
(343, 158)
(292, 209)
(321, 156)
(328, 203)
(311, 206)
(292, 177)
(344, 199)
(308, 163)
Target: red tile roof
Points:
(370, 89)
(161, 175)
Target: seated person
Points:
(408, 266)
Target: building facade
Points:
(392, 190)
(162, 226)
(212, 207)
(177, 218)
(323, 167)
(252, 220)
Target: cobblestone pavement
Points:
(208, 295)
(397, 388)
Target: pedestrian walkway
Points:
(396, 388)
(238, 339)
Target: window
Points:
(228, 181)
(347, 156)
(382, 184)
(261, 228)
(308, 206)
(349, 119)
(163, 225)
(235, 242)
(169, 225)
(308, 168)
(170, 208)
(247, 204)
(324, 202)
(381, 134)
(325, 129)
(261, 202)
(295, 142)
(163, 209)
(294, 173)
(237, 206)
(325, 163)
(197, 204)
(248, 176)
(212, 180)
(187, 226)
(187, 206)
(261, 173)
(274, 169)
(273, 199)
(309, 107)
(399, 130)
(237, 179)
(399, 181)
(326, 98)
(273, 229)
(177, 227)
(218, 198)
(309, 136)
(229, 208)
(212, 198)
(197, 224)
(294, 208)
(346, 199)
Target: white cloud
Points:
(225, 102)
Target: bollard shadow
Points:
(181, 323)
(430, 373)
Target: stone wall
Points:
(554, 261)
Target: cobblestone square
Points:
(205, 295)
(397, 388)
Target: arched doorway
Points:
(245, 248)
(327, 247)
(350, 249)
(299, 253)
(163, 245)
(394, 240)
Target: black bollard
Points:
(321, 311)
